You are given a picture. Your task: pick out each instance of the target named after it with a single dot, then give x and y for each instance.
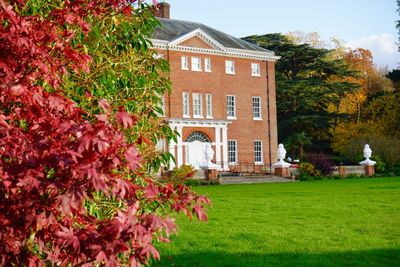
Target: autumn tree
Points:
(363, 104)
(72, 133)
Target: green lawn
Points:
(353, 222)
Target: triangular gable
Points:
(195, 37)
(196, 42)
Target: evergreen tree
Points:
(309, 82)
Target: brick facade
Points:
(242, 85)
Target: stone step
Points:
(254, 179)
(232, 174)
(199, 175)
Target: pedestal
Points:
(342, 171)
(212, 174)
(282, 171)
(369, 170)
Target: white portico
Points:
(193, 149)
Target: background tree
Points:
(308, 82)
(371, 109)
(298, 140)
(394, 76)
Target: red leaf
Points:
(127, 10)
(132, 157)
(103, 103)
(69, 18)
(201, 215)
(151, 191)
(98, 180)
(17, 90)
(57, 103)
(101, 257)
(69, 238)
(170, 226)
(3, 122)
(125, 119)
(84, 25)
(143, 139)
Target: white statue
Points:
(281, 152)
(367, 154)
(209, 155)
(367, 151)
(281, 158)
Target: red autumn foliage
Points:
(52, 159)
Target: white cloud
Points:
(383, 48)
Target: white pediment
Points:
(200, 34)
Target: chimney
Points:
(162, 10)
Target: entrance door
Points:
(196, 147)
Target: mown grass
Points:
(323, 223)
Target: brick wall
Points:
(242, 85)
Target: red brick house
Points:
(223, 95)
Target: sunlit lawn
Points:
(354, 222)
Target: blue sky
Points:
(359, 23)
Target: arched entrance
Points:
(195, 149)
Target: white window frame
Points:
(207, 64)
(209, 106)
(257, 108)
(255, 69)
(196, 63)
(230, 67)
(231, 109)
(258, 152)
(197, 105)
(186, 154)
(184, 62)
(232, 153)
(185, 105)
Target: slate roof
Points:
(172, 29)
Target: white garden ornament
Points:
(209, 155)
(367, 154)
(281, 158)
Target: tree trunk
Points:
(301, 152)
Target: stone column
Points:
(218, 146)
(172, 146)
(370, 170)
(342, 171)
(225, 147)
(179, 156)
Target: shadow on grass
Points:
(384, 257)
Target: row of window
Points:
(196, 65)
(230, 106)
(233, 151)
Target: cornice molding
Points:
(219, 49)
(197, 123)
